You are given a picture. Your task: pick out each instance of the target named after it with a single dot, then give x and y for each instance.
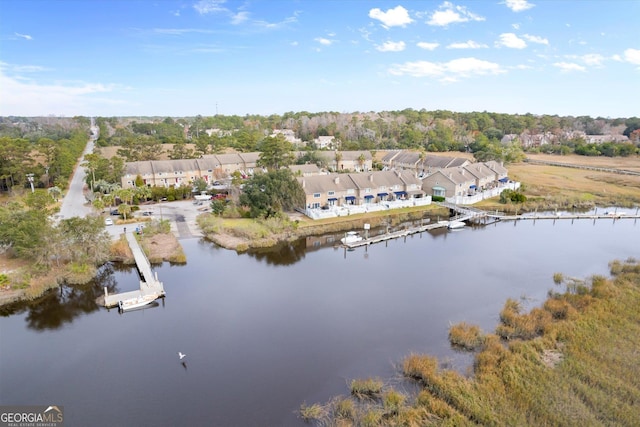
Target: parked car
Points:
(108, 221)
(147, 213)
(115, 212)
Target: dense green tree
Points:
(275, 152)
(268, 194)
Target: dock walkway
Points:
(149, 285)
(465, 213)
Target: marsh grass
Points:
(369, 388)
(572, 362)
(314, 412)
(465, 337)
(120, 251)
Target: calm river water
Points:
(264, 333)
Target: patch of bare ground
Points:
(551, 358)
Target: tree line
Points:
(45, 152)
(431, 131)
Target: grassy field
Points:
(579, 366)
(549, 187)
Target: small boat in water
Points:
(133, 303)
(456, 225)
(351, 237)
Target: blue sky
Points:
(183, 58)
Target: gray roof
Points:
(479, 170)
(497, 167)
(250, 157)
(387, 158)
(407, 158)
(456, 175)
(442, 162)
(338, 182)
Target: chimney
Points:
(336, 180)
(371, 177)
(303, 183)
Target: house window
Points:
(439, 191)
(316, 195)
(331, 193)
(351, 191)
(367, 190)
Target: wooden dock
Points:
(397, 234)
(150, 286)
(480, 217)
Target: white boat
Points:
(351, 237)
(133, 303)
(456, 225)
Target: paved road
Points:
(74, 203)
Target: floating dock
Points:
(150, 286)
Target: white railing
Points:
(486, 194)
(344, 210)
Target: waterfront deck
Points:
(149, 283)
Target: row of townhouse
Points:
(174, 173)
(421, 164)
(465, 180)
(359, 188)
(211, 167)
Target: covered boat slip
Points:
(150, 287)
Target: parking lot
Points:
(181, 214)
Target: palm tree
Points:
(338, 158)
(361, 160)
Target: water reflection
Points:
(287, 253)
(61, 306)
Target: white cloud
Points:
(536, 39)
(204, 7)
(24, 36)
(447, 71)
(428, 46)
(632, 56)
(29, 68)
(470, 44)
(593, 59)
(323, 41)
(511, 40)
(448, 13)
(396, 17)
(277, 25)
(518, 5)
(391, 47)
(239, 18)
(569, 66)
(25, 97)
